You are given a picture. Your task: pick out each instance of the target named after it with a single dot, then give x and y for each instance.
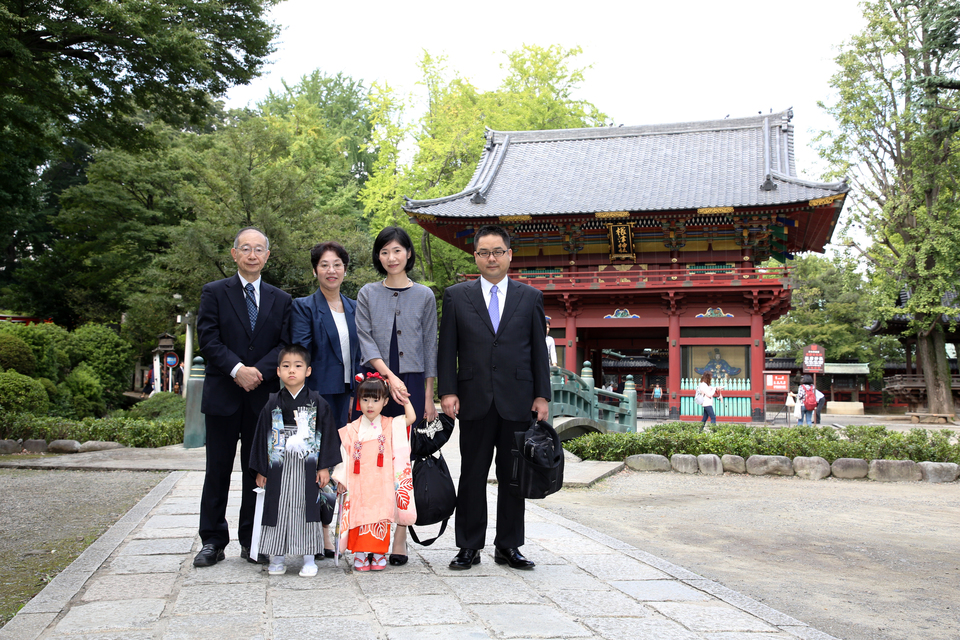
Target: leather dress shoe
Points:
(465, 559)
(261, 558)
(209, 555)
(512, 557)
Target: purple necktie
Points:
(494, 308)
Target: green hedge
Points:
(132, 432)
(867, 442)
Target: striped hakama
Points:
(293, 535)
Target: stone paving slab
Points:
(140, 582)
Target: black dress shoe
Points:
(209, 555)
(261, 558)
(512, 557)
(465, 559)
(397, 560)
(328, 553)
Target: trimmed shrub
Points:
(108, 356)
(132, 432)
(50, 388)
(48, 343)
(16, 355)
(22, 394)
(869, 443)
(160, 406)
(86, 392)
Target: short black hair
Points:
(294, 350)
(492, 230)
(385, 237)
(806, 379)
(375, 388)
(319, 249)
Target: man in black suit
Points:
(242, 324)
(493, 371)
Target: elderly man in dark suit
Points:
(493, 372)
(241, 326)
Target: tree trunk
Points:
(931, 351)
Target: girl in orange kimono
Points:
(367, 472)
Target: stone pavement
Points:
(138, 581)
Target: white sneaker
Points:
(308, 571)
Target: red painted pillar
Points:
(757, 361)
(570, 345)
(674, 378)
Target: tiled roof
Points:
(722, 163)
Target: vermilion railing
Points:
(661, 278)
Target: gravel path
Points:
(49, 517)
(860, 560)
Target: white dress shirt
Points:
(256, 297)
(486, 285)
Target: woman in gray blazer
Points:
(397, 328)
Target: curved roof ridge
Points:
(622, 131)
(479, 183)
(841, 186)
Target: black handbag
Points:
(434, 495)
(537, 461)
(426, 438)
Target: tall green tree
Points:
(830, 303)
(537, 93)
(84, 72)
(896, 129)
(88, 67)
(286, 175)
(345, 107)
(107, 219)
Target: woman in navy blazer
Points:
(324, 323)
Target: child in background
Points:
(366, 470)
(293, 447)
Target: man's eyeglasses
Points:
(496, 253)
(246, 249)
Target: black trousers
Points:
(222, 435)
(478, 439)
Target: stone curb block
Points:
(9, 446)
(648, 462)
(812, 468)
(106, 445)
(733, 464)
(64, 446)
(939, 471)
(710, 464)
(850, 468)
(35, 446)
(684, 463)
(894, 471)
(769, 466)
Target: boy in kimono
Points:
(294, 446)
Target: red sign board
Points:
(171, 359)
(813, 359)
(776, 381)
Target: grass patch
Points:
(28, 574)
(50, 517)
(856, 441)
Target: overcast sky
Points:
(651, 62)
